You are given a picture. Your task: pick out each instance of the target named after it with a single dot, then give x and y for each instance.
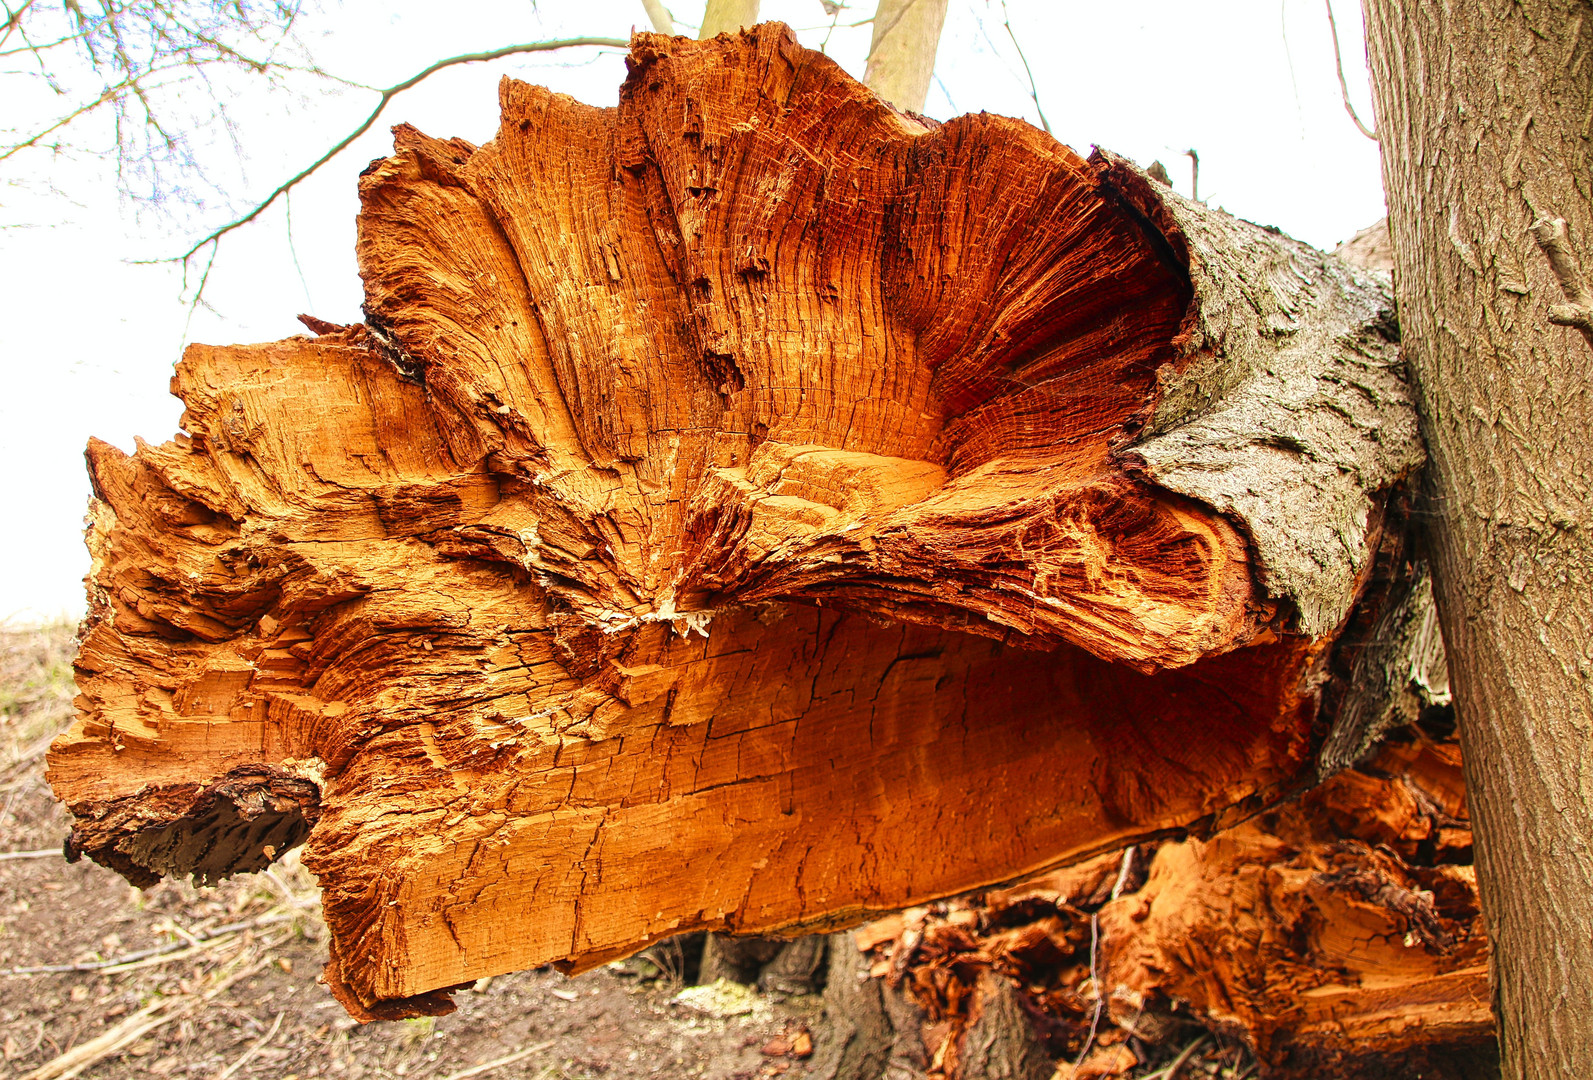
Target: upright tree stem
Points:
(727, 16)
(901, 55)
(1481, 112)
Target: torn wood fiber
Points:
(746, 508)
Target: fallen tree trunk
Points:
(749, 509)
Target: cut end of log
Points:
(747, 509)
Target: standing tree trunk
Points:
(901, 52)
(1483, 109)
(727, 16)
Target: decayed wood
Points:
(745, 509)
(1338, 936)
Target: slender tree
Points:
(727, 16)
(901, 52)
(1483, 114)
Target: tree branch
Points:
(1034, 91)
(387, 96)
(1344, 87)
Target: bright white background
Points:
(87, 339)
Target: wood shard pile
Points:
(1337, 936)
(749, 508)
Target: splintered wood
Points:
(1339, 936)
(747, 508)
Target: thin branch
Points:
(507, 1059)
(1034, 92)
(386, 98)
(248, 1055)
(157, 1014)
(1344, 87)
(1170, 1072)
(1095, 988)
(43, 853)
(209, 937)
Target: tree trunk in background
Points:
(727, 16)
(901, 53)
(659, 16)
(1483, 109)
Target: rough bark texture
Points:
(901, 51)
(1483, 111)
(1338, 936)
(745, 509)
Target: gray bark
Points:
(901, 52)
(1001, 1044)
(870, 1031)
(1483, 111)
(727, 16)
(659, 16)
(1292, 412)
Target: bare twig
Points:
(209, 938)
(154, 1015)
(1095, 987)
(259, 1044)
(1554, 242)
(1122, 871)
(387, 95)
(42, 853)
(1095, 946)
(1194, 174)
(1344, 87)
(1170, 1071)
(1034, 92)
(509, 1059)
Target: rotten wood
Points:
(749, 508)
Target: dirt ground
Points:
(248, 1000)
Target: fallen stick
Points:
(487, 1066)
(42, 853)
(157, 1014)
(259, 1044)
(171, 957)
(117, 962)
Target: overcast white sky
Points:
(87, 340)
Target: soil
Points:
(619, 1021)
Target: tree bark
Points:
(1482, 110)
(901, 51)
(659, 16)
(745, 509)
(727, 16)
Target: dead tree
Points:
(749, 508)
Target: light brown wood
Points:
(1482, 110)
(745, 509)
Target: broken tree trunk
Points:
(748, 509)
